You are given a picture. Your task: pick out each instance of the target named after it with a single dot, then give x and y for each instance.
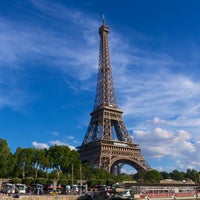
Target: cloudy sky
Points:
(48, 73)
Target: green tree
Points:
(139, 176)
(40, 161)
(24, 162)
(6, 159)
(73, 159)
(41, 181)
(45, 161)
(86, 170)
(176, 175)
(165, 175)
(61, 158)
(152, 176)
(29, 181)
(16, 180)
(192, 174)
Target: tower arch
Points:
(118, 163)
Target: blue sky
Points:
(48, 72)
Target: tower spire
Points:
(105, 92)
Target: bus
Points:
(8, 188)
(20, 188)
(51, 189)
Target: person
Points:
(16, 193)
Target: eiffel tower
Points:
(107, 143)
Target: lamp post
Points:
(72, 174)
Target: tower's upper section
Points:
(105, 92)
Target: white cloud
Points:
(70, 137)
(59, 143)
(156, 120)
(55, 133)
(25, 44)
(161, 134)
(161, 143)
(160, 93)
(39, 145)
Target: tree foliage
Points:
(6, 162)
(31, 165)
(152, 176)
(176, 175)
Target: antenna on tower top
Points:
(103, 19)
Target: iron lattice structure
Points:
(107, 143)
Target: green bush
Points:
(42, 181)
(16, 180)
(29, 181)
